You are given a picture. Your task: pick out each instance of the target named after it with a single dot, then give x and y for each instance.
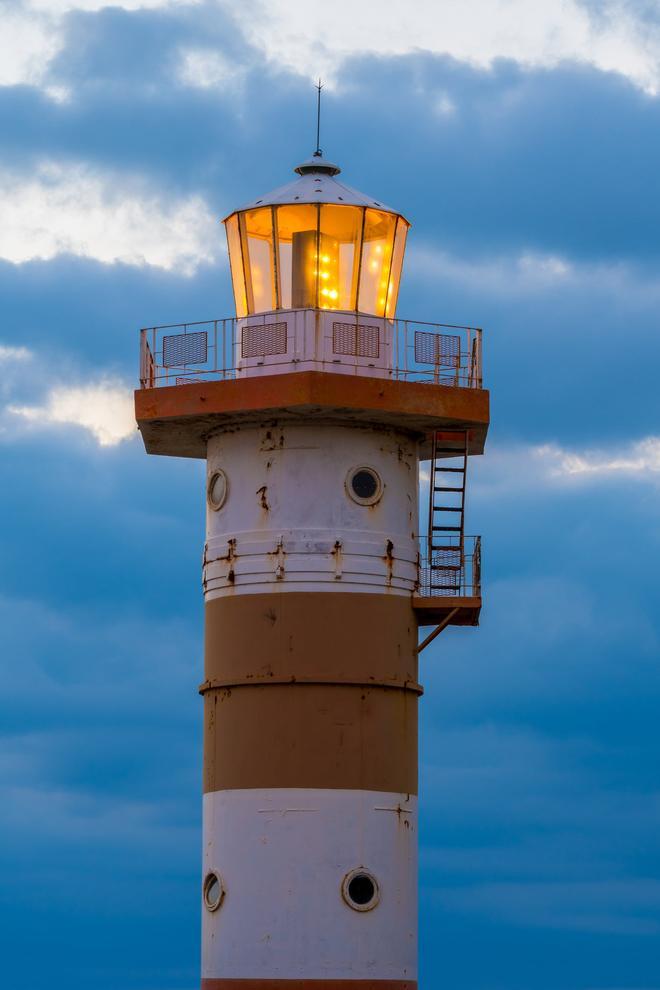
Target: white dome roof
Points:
(318, 183)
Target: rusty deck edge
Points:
(177, 420)
(321, 984)
(305, 389)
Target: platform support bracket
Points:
(436, 632)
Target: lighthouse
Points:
(321, 415)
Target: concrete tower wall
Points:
(310, 748)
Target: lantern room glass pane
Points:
(341, 229)
(395, 269)
(297, 242)
(236, 265)
(259, 255)
(377, 246)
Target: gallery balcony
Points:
(307, 363)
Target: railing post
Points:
(143, 359)
(479, 368)
(476, 567)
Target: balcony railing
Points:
(302, 340)
(452, 572)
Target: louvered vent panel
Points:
(438, 349)
(263, 339)
(359, 340)
(184, 348)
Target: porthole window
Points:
(364, 485)
(213, 891)
(360, 890)
(216, 490)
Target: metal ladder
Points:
(446, 530)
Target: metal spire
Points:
(318, 153)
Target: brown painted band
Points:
(301, 984)
(216, 685)
(333, 693)
(335, 636)
(310, 736)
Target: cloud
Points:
(503, 274)
(8, 353)
(59, 7)
(524, 467)
(531, 32)
(639, 459)
(105, 409)
(615, 36)
(208, 69)
(627, 906)
(27, 46)
(33, 33)
(73, 209)
(636, 460)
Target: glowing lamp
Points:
(318, 244)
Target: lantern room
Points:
(318, 244)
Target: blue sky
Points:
(522, 139)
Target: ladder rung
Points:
(447, 529)
(436, 547)
(452, 470)
(446, 488)
(447, 508)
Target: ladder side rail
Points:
(431, 514)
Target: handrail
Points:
(435, 353)
(461, 574)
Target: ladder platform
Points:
(432, 609)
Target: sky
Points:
(522, 140)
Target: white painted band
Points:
(328, 561)
(288, 520)
(283, 855)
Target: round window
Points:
(213, 891)
(217, 490)
(360, 890)
(364, 485)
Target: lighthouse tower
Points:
(314, 408)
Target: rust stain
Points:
(338, 556)
(267, 442)
(261, 492)
(389, 560)
(278, 554)
(270, 443)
